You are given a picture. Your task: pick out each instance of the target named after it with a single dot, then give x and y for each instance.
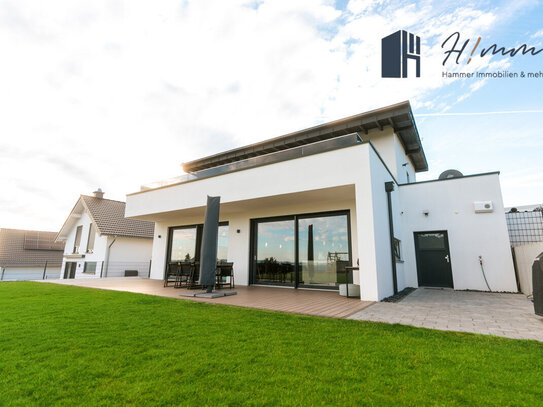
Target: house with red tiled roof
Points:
(29, 255)
(101, 242)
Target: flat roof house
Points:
(297, 209)
(29, 255)
(101, 242)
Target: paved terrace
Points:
(309, 302)
(508, 315)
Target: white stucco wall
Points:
(129, 253)
(98, 252)
(390, 148)
(125, 254)
(450, 206)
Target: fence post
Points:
(44, 270)
(102, 269)
(3, 269)
(149, 274)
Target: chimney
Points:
(98, 193)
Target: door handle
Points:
(447, 258)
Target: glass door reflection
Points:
(275, 252)
(323, 250)
(183, 244)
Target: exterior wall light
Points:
(426, 212)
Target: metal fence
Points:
(28, 272)
(126, 269)
(102, 270)
(525, 227)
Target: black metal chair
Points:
(183, 275)
(194, 276)
(172, 269)
(225, 275)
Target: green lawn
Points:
(62, 345)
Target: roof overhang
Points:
(398, 116)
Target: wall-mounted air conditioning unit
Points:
(483, 206)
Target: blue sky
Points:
(115, 94)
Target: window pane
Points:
(275, 252)
(92, 235)
(77, 241)
(323, 250)
(222, 247)
(183, 244)
(90, 267)
(429, 241)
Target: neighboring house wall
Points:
(129, 253)
(97, 255)
(450, 206)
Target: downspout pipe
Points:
(108, 249)
(389, 187)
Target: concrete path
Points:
(508, 315)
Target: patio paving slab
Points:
(507, 315)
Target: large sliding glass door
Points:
(301, 250)
(323, 250)
(274, 257)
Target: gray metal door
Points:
(433, 259)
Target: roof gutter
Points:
(389, 187)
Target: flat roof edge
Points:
(482, 174)
(399, 116)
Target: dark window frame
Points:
(252, 243)
(398, 250)
(199, 229)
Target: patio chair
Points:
(194, 276)
(225, 275)
(171, 273)
(183, 275)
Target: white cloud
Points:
(116, 94)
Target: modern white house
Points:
(298, 209)
(101, 242)
(29, 255)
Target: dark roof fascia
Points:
(374, 119)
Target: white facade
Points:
(111, 255)
(348, 179)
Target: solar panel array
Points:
(41, 241)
